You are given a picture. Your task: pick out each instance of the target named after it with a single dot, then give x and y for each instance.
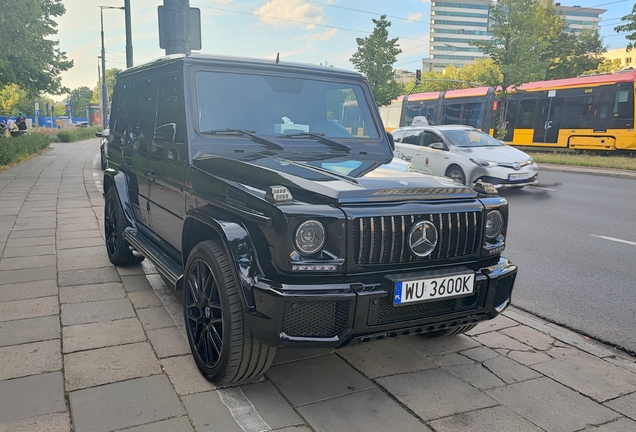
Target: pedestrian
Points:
(10, 124)
(58, 122)
(21, 122)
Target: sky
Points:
(304, 31)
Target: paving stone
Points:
(551, 405)
(591, 376)
(180, 424)
(75, 220)
(99, 250)
(27, 275)
(83, 262)
(88, 276)
(476, 375)
(33, 241)
(56, 422)
(102, 334)
(168, 342)
(290, 355)
(271, 406)
(498, 323)
(125, 404)
(431, 347)
(497, 418)
(88, 293)
(80, 243)
(78, 227)
(30, 359)
(529, 358)
(77, 235)
(480, 354)
(144, 299)
(29, 330)
(625, 405)
(311, 380)
(133, 270)
(30, 308)
(107, 365)
(97, 311)
(620, 425)
(185, 375)
(28, 262)
(564, 352)
(352, 413)
(32, 396)
(529, 336)
(32, 233)
(35, 224)
(135, 283)
(452, 359)
(209, 414)
(432, 394)
(28, 290)
(386, 357)
(29, 251)
(498, 340)
(293, 429)
(154, 318)
(509, 370)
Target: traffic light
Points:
(418, 76)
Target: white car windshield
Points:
(470, 138)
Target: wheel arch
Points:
(200, 225)
(119, 182)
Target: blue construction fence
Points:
(50, 122)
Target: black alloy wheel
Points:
(204, 314)
(117, 247)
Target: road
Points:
(574, 240)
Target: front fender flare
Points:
(119, 181)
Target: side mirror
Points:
(98, 134)
(166, 133)
(389, 136)
(438, 146)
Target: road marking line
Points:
(614, 239)
(242, 410)
(542, 188)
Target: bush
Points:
(77, 134)
(16, 149)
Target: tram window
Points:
(525, 118)
(452, 114)
(624, 104)
(473, 114)
(577, 112)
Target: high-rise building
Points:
(455, 23)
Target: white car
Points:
(465, 154)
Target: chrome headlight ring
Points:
(310, 237)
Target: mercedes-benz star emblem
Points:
(422, 238)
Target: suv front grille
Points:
(384, 239)
(319, 319)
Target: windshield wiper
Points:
(320, 137)
(245, 132)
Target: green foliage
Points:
(77, 134)
(111, 76)
(10, 96)
(564, 157)
(483, 72)
(375, 58)
(16, 149)
(29, 56)
(573, 54)
(608, 66)
(629, 26)
(79, 99)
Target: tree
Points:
(111, 76)
(10, 96)
(29, 57)
(375, 58)
(629, 26)
(608, 66)
(573, 54)
(482, 71)
(79, 99)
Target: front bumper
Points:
(500, 177)
(335, 315)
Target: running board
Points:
(164, 263)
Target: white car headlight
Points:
(483, 163)
(310, 237)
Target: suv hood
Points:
(329, 179)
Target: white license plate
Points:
(518, 176)
(422, 290)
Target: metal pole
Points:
(129, 47)
(178, 26)
(104, 84)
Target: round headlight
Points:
(494, 224)
(310, 237)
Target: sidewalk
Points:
(86, 346)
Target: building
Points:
(628, 59)
(455, 23)
(404, 76)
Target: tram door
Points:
(548, 120)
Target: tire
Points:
(456, 173)
(117, 247)
(223, 350)
(453, 331)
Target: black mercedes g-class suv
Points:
(267, 196)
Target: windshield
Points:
(275, 106)
(470, 138)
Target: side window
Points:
(397, 135)
(170, 132)
(624, 104)
(430, 138)
(143, 114)
(411, 137)
(525, 118)
(452, 114)
(121, 108)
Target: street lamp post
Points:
(104, 83)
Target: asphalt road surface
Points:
(574, 240)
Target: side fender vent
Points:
(234, 196)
